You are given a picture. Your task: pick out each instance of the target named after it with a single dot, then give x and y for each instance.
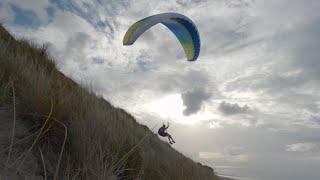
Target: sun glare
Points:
(171, 108)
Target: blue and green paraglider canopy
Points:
(183, 28)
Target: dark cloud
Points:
(184, 81)
(285, 88)
(76, 47)
(196, 89)
(315, 119)
(193, 100)
(231, 109)
(78, 41)
(97, 60)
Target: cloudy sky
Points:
(249, 107)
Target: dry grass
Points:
(80, 136)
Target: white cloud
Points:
(300, 147)
(220, 157)
(231, 109)
(214, 124)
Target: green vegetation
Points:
(51, 128)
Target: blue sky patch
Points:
(24, 17)
(50, 12)
(97, 60)
(315, 119)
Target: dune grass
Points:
(73, 133)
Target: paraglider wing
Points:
(182, 27)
